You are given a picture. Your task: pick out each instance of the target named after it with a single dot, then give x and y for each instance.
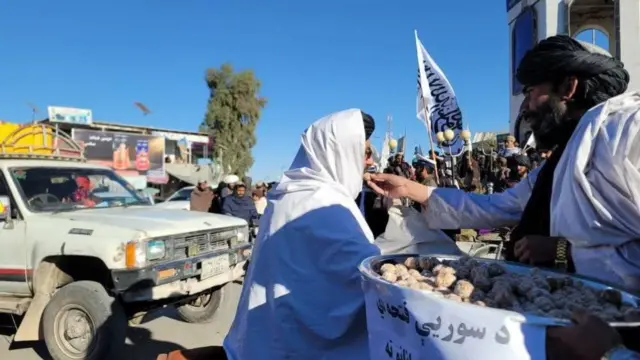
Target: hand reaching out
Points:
(389, 185)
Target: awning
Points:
(191, 173)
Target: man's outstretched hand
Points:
(389, 185)
(395, 187)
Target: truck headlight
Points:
(243, 234)
(156, 250)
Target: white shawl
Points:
(302, 296)
(596, 192)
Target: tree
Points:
(233, 111)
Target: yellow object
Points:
(393, 143)
(37, 140)
(2, 209)
(15, 138)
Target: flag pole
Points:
(428, 120)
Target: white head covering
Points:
(302, 296)
(332, 153)
(231, 179)
(596, 192)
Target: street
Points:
(159, 332)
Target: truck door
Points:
(14, 274)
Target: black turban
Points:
(369, 125)
(601, 76)
(522, 160)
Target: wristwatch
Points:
(620, 353)
(562, 255)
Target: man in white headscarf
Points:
(302, 297)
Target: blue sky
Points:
(313, 58)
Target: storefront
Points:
(138, 153)
(184, 148)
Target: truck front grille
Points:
(194, 244)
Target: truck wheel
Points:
(83, 322)
(202, 309)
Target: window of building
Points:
(524, 37)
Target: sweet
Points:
(492, 285)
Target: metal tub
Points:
(378, 291)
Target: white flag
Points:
(435, 91)
(385, 152)
(531, 143)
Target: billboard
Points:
(69, 115)
(128, 154)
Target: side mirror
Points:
(5, 208)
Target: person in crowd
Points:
(522, 166)
(501, 174)
(370, 204)
(302, 297)
(585, 221)
(216, 203)
(202, 197)
(260, 200)
(260, 185)
(510, 147)
(230, 182)
(425, 171)
(398, 166)
(239, 204)
(247, 181)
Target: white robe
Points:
(596, 192)
(302, 295)
(596, 195)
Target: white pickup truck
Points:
(76, 266)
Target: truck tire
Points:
(83, 322)
(203, 309)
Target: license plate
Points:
(193, 250)
(214, 266)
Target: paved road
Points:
(159, 333)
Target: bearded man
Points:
(563, 78)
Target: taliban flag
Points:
(436, 100)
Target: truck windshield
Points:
(66, 189)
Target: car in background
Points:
(179, 200)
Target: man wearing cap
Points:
(510, 147)
(230, 181)
(201, 197)
(425, 171)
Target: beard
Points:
(549, 123)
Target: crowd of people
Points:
(481, 171)
(230, 197)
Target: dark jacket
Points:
(243, 207)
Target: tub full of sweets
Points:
(459, 307)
